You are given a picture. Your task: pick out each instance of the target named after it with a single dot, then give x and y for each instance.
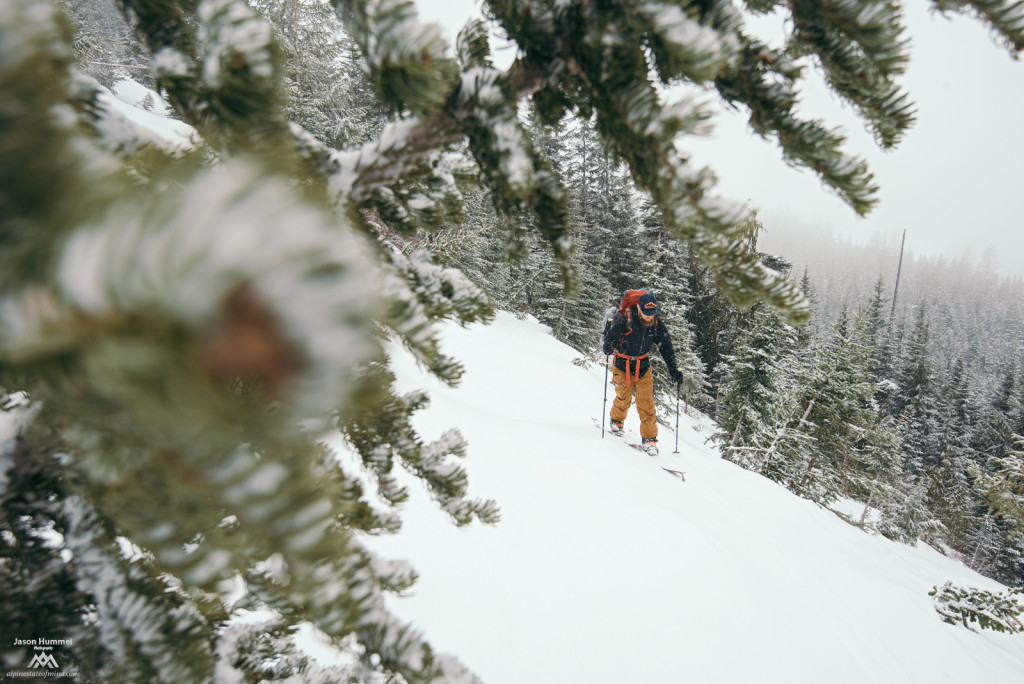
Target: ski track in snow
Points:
(605, 568)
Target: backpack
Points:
(630, 299)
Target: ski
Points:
(677, 473)
(671, 471)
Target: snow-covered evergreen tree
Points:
(992, 437)
(950, 493)
(749, 397)
(478, 246)
(574, 315)
(876, 326)
(1003, 489)
(103, 44)
(853, 452)
(663, 272)
(916, 401)
(989, 610)
(627, 217)
(805, 335)
(327, 92)
(713, 319)
(195, 337)
(904, 517)
(984, 541)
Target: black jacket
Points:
(627, 335)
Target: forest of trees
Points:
(178, 328)
(914, 410)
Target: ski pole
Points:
(604, 409)
(677, 419)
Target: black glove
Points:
(677, 376)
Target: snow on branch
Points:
(148, 631)
(407, 60)
(212, 259)
(233, 37)
(685, 47)
(969, 606)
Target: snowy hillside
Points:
(605, 568)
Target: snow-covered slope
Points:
(606, 569)
(126, 125)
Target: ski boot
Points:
(650, 446)
(617, 428)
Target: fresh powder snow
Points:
(604, 568)
(127, 125)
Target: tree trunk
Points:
(771, 448)
(736, 433)
(867, 506)
(807, 473)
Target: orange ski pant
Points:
(644, 388)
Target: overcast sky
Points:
(954, 183)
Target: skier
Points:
(629, 334)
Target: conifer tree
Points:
(993, 436)
(916, 401)
(712, 318)
(996, 611)
(1002, 486)
(749, 396)
(904, 517)
(853, 453)
(582, 169)
(575, 316)
(985, 542)
(875, 328)
(103, 44)
(664, 274)
(805, 334)
(478, 246)
(539, 286)
(629, 219)
(950, 493)
(179, 340)
(327, 92)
